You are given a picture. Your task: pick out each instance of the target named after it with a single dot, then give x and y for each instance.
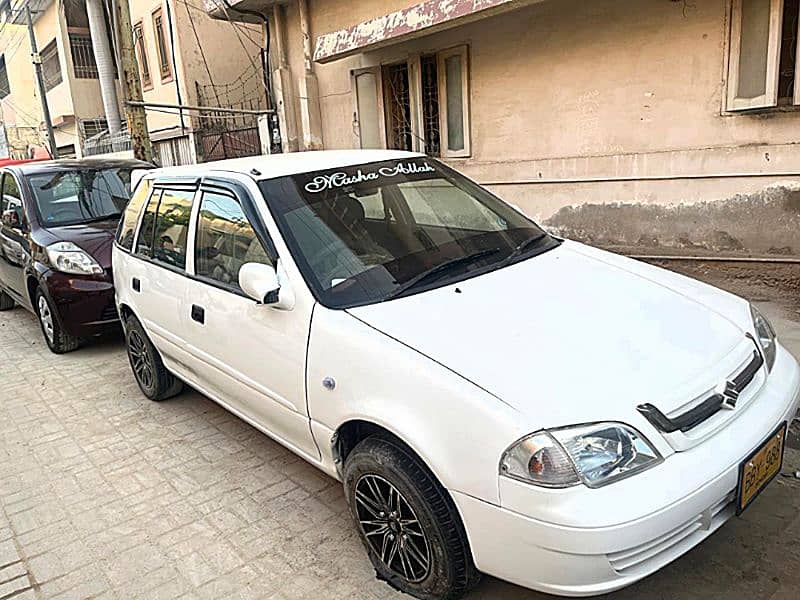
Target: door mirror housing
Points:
(12, 220)
(262, 284)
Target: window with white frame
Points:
(763, 59)
(420, 104)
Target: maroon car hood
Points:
(94, 238)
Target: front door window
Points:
(225, 240)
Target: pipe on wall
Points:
(106, 62)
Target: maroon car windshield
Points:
(76, 197)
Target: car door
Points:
(249, 357)
(157, 270)
(14, 242)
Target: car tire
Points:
(58, 340)
(153, 378)
(6, 301)
(407, 521)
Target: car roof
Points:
(54, 166)
(290, 163)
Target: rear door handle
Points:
(198, 314)
(137, 285)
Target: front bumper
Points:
(85, 306)
(658, 515)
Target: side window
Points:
(144, 244)
(225, 240)
(12, 213)
(2, 202)
(172, 227)
(130, 217)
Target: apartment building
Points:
(185, 58)
(19, 107)
(70, 73)
(655, 126)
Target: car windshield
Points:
(74, 197)
(378, 231)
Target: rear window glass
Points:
(131, 215)
(172, 227)
(144, 243)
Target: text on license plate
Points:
(759, 469)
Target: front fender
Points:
(458, 429)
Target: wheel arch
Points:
(125, 311)
(31, 285)
(348, 435)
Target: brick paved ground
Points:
(107, 495)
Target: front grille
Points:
(727, 398)
(109, 313)
(655, 553)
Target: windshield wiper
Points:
(522, 248)
(440, 269)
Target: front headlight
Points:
(595, 454)
(68, 258)
(765, 336)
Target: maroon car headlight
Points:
(66, 257)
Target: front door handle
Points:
(136, 284)
(198, 314)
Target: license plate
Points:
(757, 470)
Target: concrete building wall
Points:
(165, 91)
(223, 52)
(20, 111)
(51, 25)
(579, 106)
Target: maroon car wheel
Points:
(57, 339)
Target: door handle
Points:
(137, 285)
(198, 314)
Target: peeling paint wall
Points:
(600, 103)
(764, 223)
(403, 23)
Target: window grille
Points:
(51, 67)
(83, 61)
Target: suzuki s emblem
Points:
(729, 393)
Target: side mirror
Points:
(263, 284)
(11, 219)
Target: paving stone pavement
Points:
(104, 494)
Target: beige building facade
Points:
(19, 106)
(187, 58)
(658, 126)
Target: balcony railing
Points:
(105, 143)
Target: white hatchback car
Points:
(494, 399)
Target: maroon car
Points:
(57, 228)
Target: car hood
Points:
(95, 238)
(570, 336)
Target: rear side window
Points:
(172, 228)
(225, 240)
(131, 216)
(11, 203)
(144, 244)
